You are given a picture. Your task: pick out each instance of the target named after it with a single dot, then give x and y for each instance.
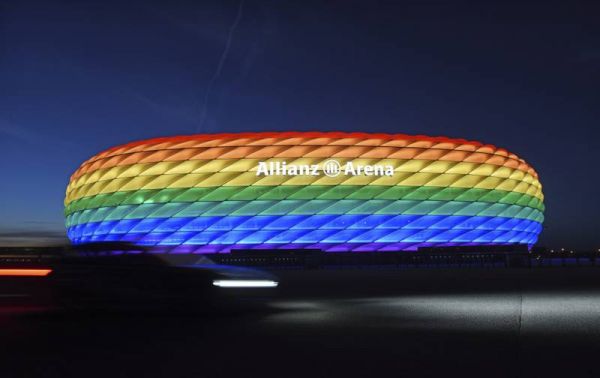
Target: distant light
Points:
(245, 283)
(25, 272)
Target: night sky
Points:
(77, 77)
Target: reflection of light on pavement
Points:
(565, 313)
(297, 305)
(532, 313)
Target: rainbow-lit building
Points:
(332, 191)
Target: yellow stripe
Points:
(250, 178)
(250, 165)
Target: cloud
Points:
(24, 134)
(30, 238)
(179, 113)
(219, 68)
(590, 55)
(32, 233)
(190, 22)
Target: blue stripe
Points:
(302, 229)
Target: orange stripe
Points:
(290, 138)
(334, 151)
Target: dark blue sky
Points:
(77, 77)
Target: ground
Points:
(324, 323)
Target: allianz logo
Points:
(330, 168)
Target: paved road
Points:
(352, 323)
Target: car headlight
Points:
(244, 283)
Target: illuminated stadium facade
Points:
(331, 191)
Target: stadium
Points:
(333, 191)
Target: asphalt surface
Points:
(352, 323)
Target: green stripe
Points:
(303, 207)
(251, 193)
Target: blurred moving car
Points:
(117, 275)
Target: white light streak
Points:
(245, 283)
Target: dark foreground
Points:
(352, 323)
